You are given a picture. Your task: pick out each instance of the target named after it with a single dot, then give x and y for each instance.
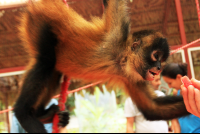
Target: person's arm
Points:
(191, 97)
(129, 125)
(175, 126)
(15, 126)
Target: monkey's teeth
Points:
(150, 76)
(152, 73)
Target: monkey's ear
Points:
(136, 42)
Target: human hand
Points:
(191, 96)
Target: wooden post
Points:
(182, 32)
(7, 113)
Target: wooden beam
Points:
(180, 21)
(12, 71)
(7, 113)
(178, 46)
(167, 9)
(182, 32)
(3, 7)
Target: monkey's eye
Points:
(154, 55)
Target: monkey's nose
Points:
(158, 68)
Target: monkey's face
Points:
(146, 52)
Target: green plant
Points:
(2, 128)
(70, 104)
(73, 130)
(99, 113)
(121, 97)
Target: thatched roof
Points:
(145, 14)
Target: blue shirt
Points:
(17, 128)
(190, 123)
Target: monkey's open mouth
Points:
(150, 75)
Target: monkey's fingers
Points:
(63, 118)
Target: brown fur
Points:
(99, 50)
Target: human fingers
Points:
(185, 98)
(191, 100)
(197, 100)
(195, 83)
(186, 81)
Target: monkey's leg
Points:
(116, 16)
(52, 86)
(47, 115)
(35, 90)
(160, 108)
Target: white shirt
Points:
(141, 124)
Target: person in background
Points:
(17, 128)
(172, 74)
(133, 115)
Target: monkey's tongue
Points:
(149, 76)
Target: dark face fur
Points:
(146, 52)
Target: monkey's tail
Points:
(156, 108)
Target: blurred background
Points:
(176, 19)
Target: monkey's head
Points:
(146, 50)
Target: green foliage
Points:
(121, 98)
(73, 130)
(2, 127)
(70, 104)
(99, 113)
(2, 106)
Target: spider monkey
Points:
(60, 41)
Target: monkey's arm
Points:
(156, 108)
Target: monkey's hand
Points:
(48, 116)
(63, 118)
